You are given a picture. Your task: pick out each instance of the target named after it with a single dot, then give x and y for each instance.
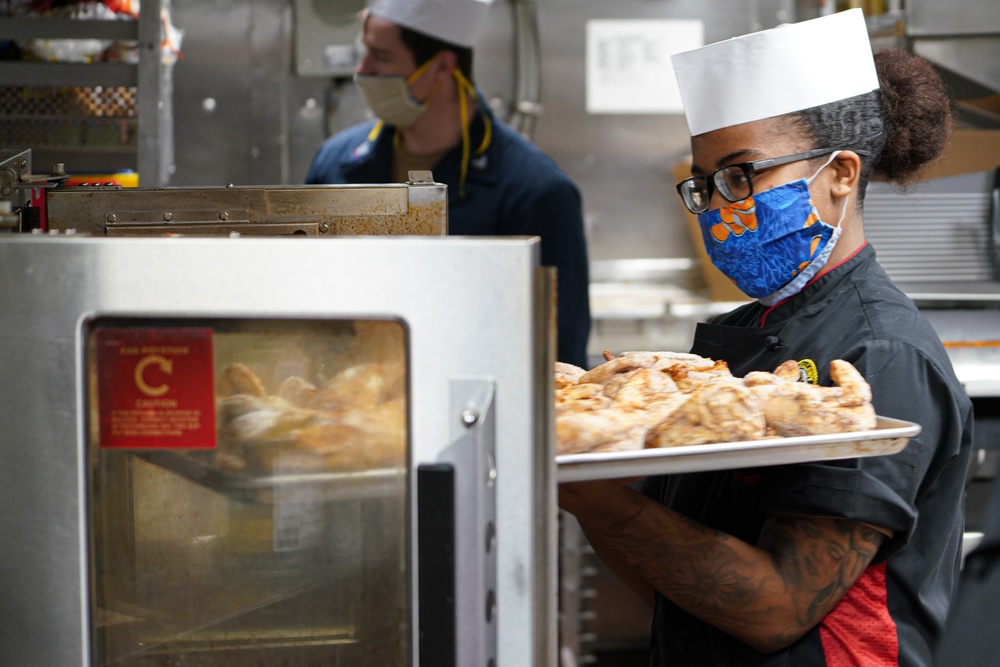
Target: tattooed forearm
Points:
(818, 559)
(767, 594)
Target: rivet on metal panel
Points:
(491, 606)
(491, 537)
(111, 217)
(168, 216)
(469, 418)
(223, 216)
(491, 470)
(324, 227)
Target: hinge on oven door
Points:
(466, 470)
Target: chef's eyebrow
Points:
(729, 159)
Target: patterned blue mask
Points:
(772, 243)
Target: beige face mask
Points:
(388, 96)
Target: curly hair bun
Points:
(917, 111)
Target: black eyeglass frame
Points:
(748, 169)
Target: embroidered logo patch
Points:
(808, 371)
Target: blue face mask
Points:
(772, 243)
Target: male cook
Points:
(416, 77)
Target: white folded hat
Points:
(773, 72)
(454, 21)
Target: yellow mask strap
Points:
(420, 70)
(466, 90)
(376, 130)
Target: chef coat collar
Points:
(755, 334)
(818, 289)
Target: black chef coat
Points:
(897, 609)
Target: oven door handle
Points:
(436, 564)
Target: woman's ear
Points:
(846, 173)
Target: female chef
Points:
(847, 562)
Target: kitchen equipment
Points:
(416, 208)
(165, 507)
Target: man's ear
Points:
(445, 63)
(846, 173)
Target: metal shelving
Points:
(96, 117)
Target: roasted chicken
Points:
(355, 421)
(667, 399)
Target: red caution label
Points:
(156, 388)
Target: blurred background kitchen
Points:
(213, 92)
(248, 90)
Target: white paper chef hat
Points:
(773, 72)
(454, 21)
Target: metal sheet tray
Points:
(363, 484)
(888, 437)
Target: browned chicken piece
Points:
(605, 372)
(578, 397)
(567, 374)
(359, 440)
(239, 378)
(724, 412)
(630, 361)
(636, 389)
(297, 391)
(659, 409)
(686, 360)
(252, 429)
(799, 408)
(358, 387)
(246, 418)
(691, 379)
(760, 378)
(789, 371)
(604, 430)
(395, 382)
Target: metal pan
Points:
(375, 483)
(888, 437)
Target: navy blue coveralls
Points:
(511, 189)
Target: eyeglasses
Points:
(734, 181)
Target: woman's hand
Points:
(599, 504)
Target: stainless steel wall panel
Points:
(934, 232)
(955, 17)
(267, 123)
(974, 58)
(623, 163)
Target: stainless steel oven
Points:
(261, 451)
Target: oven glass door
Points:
(247, 484)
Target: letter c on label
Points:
(165, 365)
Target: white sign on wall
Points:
(628, 63)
